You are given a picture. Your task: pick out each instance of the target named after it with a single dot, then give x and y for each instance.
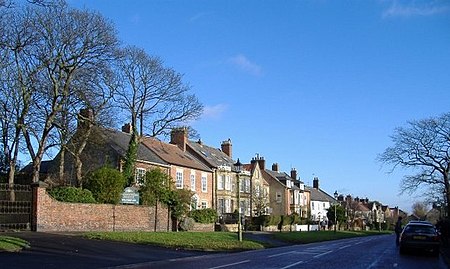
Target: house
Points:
(224, 174)
(286, 192)
(320, 201)
(185, 169)
(260, 202)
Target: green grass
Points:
(12, 244)
(220, 241)
(318, 236)
(210, 241)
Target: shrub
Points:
(207, 215)
(287, 220)
(106, 185)
(71, 195)
(187, 224)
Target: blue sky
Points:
(316, 85)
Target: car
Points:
(420, 235)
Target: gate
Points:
(15, 215)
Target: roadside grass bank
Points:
(12, 244)
(221, 241)
(206, 241)
(319, 236)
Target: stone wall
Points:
(51, 215)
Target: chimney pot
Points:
(275, 167)
(227, 148)
(178, 137)
(316, 183)
(293, 173)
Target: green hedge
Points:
(71, 195)
(106, 185)
(207, 215)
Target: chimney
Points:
(126, 128)
(275, 167)
(178, 137)
(85, 118)
(260, 161)
(316, 183)
(293, 173)
(227, 148)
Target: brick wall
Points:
(52, 215)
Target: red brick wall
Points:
(52, 215)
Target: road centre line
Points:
(346, 246)
(281, 254)
(294, 264)
(322, 254)
(230, 264)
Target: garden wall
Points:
(51, 215)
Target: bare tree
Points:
(423, 145)
(260, 200)
(66, 41)
(154, 98)
(420, 210)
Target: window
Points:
(221, 182)
(227, 206)
(139, 176)
(179, 179)
(247, 185)
(312, 205)
(192, 182)
(278, 197)
(204, 204)
(194, 202)
(221, 206)
(204, 183)
(228, 183)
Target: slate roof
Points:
(319, 195)
(213, 156)
(282, 177)
(119, 142)
(172, 154)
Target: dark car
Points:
(419, 235)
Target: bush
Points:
(207, 215)
(106, 185)
(72, 195)
(187, 224)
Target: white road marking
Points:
(346, 246)
(294, 264)
(395, 265)
(322, 254)
(230, 264)
(281, 254)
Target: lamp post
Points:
(238, 167)
(335, 203)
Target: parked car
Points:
(419, 235)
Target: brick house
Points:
(186, 171)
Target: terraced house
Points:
(224, 175)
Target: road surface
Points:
(362, 253)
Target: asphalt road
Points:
(65, 251)
(362, 253)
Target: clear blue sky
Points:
(317, 85)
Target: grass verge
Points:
(12, 244)
(207, 241)
(319, 236)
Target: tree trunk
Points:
(156, 214)
(61, 164)
(12, 194)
